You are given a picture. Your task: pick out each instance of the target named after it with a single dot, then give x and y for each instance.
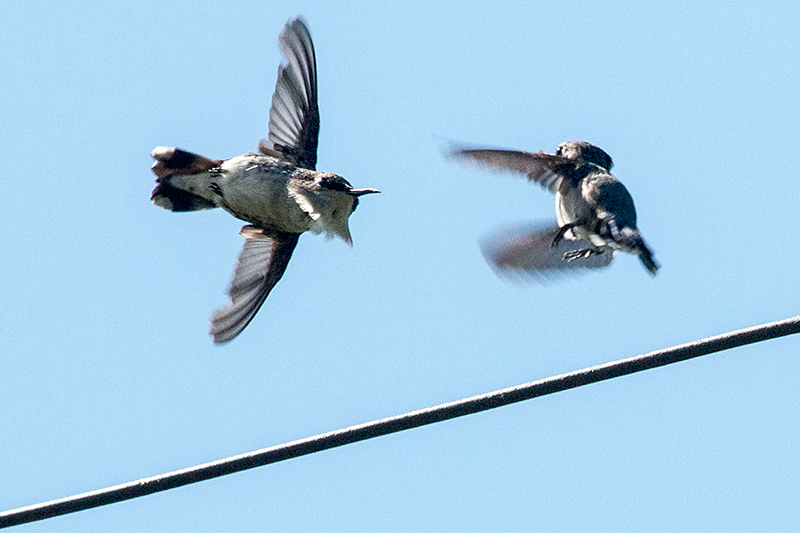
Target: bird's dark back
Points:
(611, 196)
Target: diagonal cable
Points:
(394, 424)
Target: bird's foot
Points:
(580, 254)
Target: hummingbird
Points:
(594, 211)
(278, 191)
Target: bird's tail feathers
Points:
(181, 179)
(646, 256)
(634, 242)
(628, 239)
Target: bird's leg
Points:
(580, 254)
(560, 235)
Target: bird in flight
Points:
(594, 211)
(278, 192)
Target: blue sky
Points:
(108, 374)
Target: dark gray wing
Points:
(545, 169)
(262, 261)
(528, 251)
(294, 115)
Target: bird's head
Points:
(586, 152)
(338, 200)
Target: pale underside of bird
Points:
(595, 215)
(279, 191)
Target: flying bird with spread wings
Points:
(594, 211)
(278, 192)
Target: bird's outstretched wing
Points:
(545, 169)
(294, 115)
(528, 252)
(262, 261)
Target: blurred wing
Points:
(262, 261)
(518, 253)
(542, 168)
(294, 115)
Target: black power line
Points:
(393, 424)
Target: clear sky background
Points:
(107, 374)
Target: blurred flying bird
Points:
(279, 192)
(595, 212)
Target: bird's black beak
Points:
(361, 192)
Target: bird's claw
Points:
(560, 235)
(580, 254)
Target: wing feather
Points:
(545, 169)
(529, 252)
(294, 115)
(261, 264)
